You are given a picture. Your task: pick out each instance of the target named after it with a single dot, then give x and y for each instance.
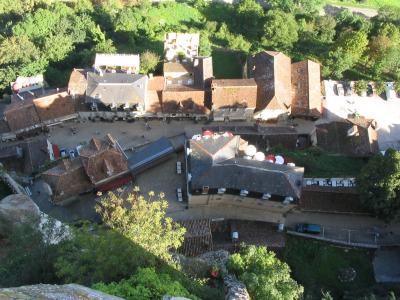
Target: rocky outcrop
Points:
(54, 292)
(235, 289)
(216, 258)
(17, 209)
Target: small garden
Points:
(318, 163)
(319, 266)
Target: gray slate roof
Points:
(155, 150)
(118, 88)
(215, 163)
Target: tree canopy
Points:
(379, 185)
(146, 284)
(96, 254)
(265, 276)
(53, 37)
(143, 221)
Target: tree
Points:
(324, 30)
(348, 50)
(29, 257)
(98, 254)
(143, 222)
(265, 276)
(297, 6)
(148, 62)
(280, 30)
(380, 87)
(146, 284)
(205, 45)
(249, 17)
(360, 87)
(383, 51)
(379, 185)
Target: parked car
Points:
(308, 228)
(63, 152)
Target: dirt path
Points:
(332, 10)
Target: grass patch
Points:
(226, 64)
(174, 14)
(317, 163)
(316, 266)
(376, 4)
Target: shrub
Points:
(265, 276)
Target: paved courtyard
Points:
(385, 112)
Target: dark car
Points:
(308, 228)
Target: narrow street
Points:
(349, 228)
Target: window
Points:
(205, 190)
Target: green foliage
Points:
(99, 255)
(325, 28)
(349, 48)
(249, 19)
(297, 6)
(146, 284)
(148, 62)
(205, 45)
(380, 87)
(265, 276)
(379, 185)
(143, 221)
(316, 266)
(318, 163)
(29, 258)
(280, 30)
(360, 87)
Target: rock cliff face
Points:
(234, 289)
(19, 208)
(54, 292)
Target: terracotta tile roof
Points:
(103, 160)
(234, 82)
(154, 94)
(54, 106)
(67, 179)
(233, 93)
(77, 82)
(156, 83)
(175, 67)
(183, 99)
(335, 137)
(306, 89)
(272, 72)
(20, 115)
(203, 72)
(36, 154)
